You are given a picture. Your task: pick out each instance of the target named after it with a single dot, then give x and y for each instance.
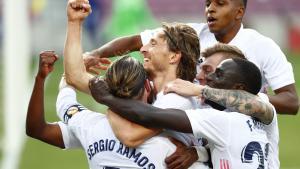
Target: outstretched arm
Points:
(119, 46)
(75, 71)
(240, 101)
(139, 112)
(36, 126)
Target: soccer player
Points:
(234, 139)
(224, 24)
(90, 130)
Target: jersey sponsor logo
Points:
(72, 110)
(111, 145)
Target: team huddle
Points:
(197, 101)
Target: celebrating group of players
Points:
(197, 101)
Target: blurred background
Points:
(42, 26)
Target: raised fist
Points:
(78, 10)
(46, 63)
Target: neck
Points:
(163, 78)
(227, 35)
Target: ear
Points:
(239, 86)
(149, 92)
(175, 58)
(148, 86)
(240, 13)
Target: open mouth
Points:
(211, 20)
(146, 60)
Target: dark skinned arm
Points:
(36, 126)
(139, 112)
(285, 100)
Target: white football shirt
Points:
(235, 140)
(91, 131)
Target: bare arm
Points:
(75, 71)
(285, 100)
(119, 46)
(36, 126)
(240, 101)
(139, 112)
(130, 134)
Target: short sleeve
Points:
(211, 124)
(67, 105)
(70, 141)
(277, 70)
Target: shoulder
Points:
(173, 100)
(258, 39)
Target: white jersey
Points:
(235, 140)
(276, 71)
(92, 132)
(175, 101)
(273, 137)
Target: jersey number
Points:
(251, 149)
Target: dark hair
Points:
(183, 38)
(126, 77)
(249, 75)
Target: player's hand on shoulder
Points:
(46, 63)
(183, 88)
(99, 89)
(78, 10)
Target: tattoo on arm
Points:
(241, 101)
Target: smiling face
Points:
(223, 15)
(156, 53)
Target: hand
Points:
(99, 89)
(78, 10)
(46, 62)
(183, 157)
(95, 64)
(183, 88)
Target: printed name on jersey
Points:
(117, 147)
(255, 124)
(72, 110)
